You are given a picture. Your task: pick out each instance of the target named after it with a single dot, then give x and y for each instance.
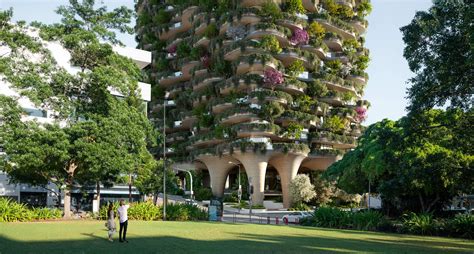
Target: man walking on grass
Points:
(123, 219)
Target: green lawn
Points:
(202, 237)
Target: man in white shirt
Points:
(123, 219)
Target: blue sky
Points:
(388, 70)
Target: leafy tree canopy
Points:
(439, 50)
(417, 165)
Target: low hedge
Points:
(12, 211)
(461, 225)
(148, 211)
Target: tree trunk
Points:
(67, 202)
(421, 202)
(67, 191)
(97, 196)
(130, 189)
(155, 198)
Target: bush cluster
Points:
(148, 211)
(461, 225)
(11, 211)
(330, 217)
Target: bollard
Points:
(276, 221)
(268, 220)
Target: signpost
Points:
(215, 209)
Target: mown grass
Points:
(205, 237)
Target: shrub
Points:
(331, 217)
(300, 207)
(232, 198)
(367, 220)
(316, 30)
(203, 194)
(271, 10)
(270, 43)
(144, 211)
(183, 50)
(183, 212)
(46, 213)
(423, 224)
(211, 31)
(299, 37)
(294, 6)
(295, 68)
(11, 211)
(462, 225)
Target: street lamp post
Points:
(191, 181)
(239, 192)
(164, 156)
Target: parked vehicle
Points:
(295, 217)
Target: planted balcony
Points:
(335, 25)
(335, 140)
(240, 83)
(238, 115)
(256, 129)
(256, 63)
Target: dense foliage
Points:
(11, 211)
(439, 51)
(416, 165)
(95, 136)
(148, 211)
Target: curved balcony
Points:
(291, 89)
(205, 83)
(176, 137)
(337, 56)
(188, 121)
(357, 79)
(334, 140)
(359, 26)
(175, 90)
(241, 85)
(198, 101)
(337, 86)
(239, 117)
(238, 52)
(288, 57)
(257, 66)
(290, 24)
(220, 108)
(256, 129)
(179, 77)
(203, 42)
(319, 51)
(189, 66)
(333, 100)
(348, 3)
(201, 29)
(252, 3)
(333, 43)
(259, 33)
(182, 26)
(311, 5)
(334, 28)
(205, 140)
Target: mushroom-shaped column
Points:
(287, 166)
(219, 168)
(255, 166)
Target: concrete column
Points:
(287, 166)
(218, 168)
(255, 165)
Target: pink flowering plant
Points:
(361, 113)
(272, 77)
(172, 49)
(206, 61)
(299, 37)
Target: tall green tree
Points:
(416, 165)
(440, 51)
(96, 136)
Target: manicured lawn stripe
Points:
(205, 237)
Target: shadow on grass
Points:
(323, 241)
